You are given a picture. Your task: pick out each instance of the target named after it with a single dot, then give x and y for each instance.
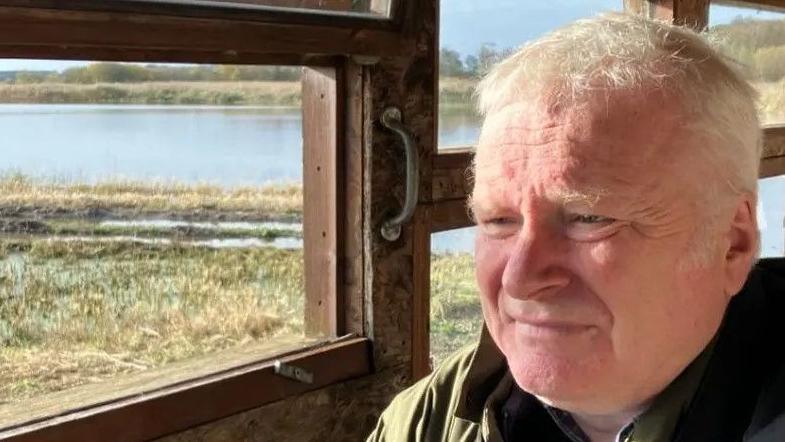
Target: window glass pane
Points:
(755, 39)
(365, 7)
(456, 317)
(149, 215)
(771, 216)
(497, 28)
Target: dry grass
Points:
(73, 313)
(457, 93)
(77, 313)
(454, 92)
(20, 191)
(772, 102)
(456, 316)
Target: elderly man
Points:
(615, 197)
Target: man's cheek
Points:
(490, 259)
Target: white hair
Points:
(618, 51)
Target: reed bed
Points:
(19, 191)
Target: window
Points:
(151, 214)
(456, 316)
(160, 223)
(755, 39)
(771, 216)
(499, 27)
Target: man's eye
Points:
(501, 221)
(587, 227)
(499, 227)
(590, 219)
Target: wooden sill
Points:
(182, 396)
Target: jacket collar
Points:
(486, 370)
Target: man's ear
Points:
(742, 244)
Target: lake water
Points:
(221, 145)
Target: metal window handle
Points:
(391, 228)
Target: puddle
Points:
(225, 225)
(218, 243)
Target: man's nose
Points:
(537, 265)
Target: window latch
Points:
(292, 372)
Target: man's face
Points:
(586, 249)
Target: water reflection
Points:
(458, 127)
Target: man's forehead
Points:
(618, 131)
(519, 121)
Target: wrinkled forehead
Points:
(624, 135)
(624, 145)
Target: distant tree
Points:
(32, 76)
(450, 64)
(106, 73)
(488, 56)
(472, 66)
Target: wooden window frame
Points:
(772, 5)
(133, 31)
(335, 100)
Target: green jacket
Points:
(734, 391)
(439, 406)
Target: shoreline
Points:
(285, 94)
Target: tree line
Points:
(94, 73)
(453, 64)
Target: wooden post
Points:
(693, 13)
(421, 305)
(321, 246)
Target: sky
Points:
(468, 24)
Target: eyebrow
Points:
(589, 198)
(565, 197)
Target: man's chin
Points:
(558, 380)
